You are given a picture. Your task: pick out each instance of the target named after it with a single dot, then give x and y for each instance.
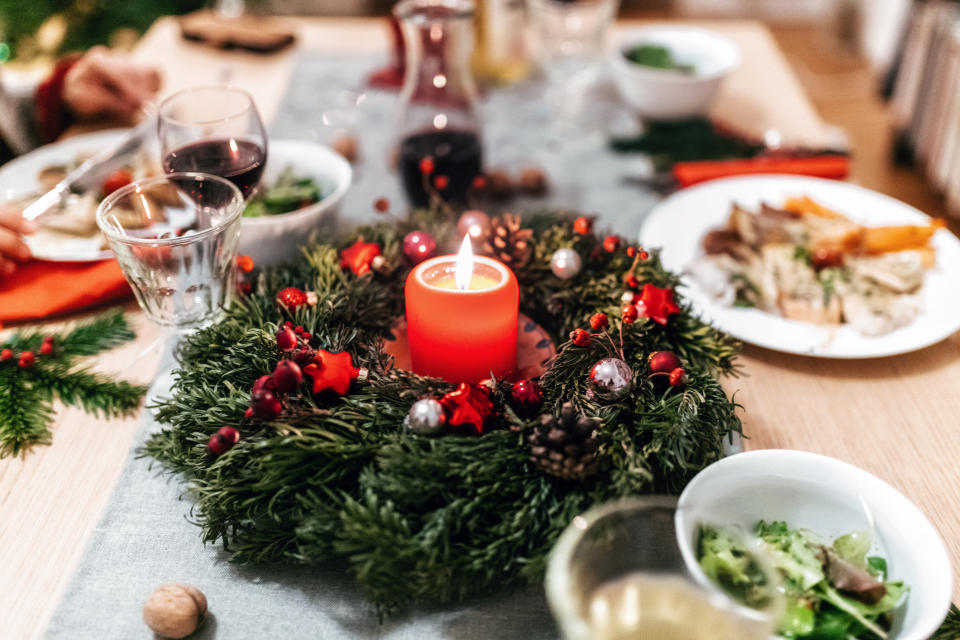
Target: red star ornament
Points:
(358, 256)
(657, 304)
(469, 405)
(332, 371)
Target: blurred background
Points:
(846, 54)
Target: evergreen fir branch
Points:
(25, 414)
(103, 332)
(27, 394)
(94, 393)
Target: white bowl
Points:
(659, 94)
(274, 239)
(831, 498)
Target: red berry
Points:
(26, 359)
(631, 252)
(6, 354)
(287, 376)
(288, 324)
(305, 335)
(599, 321)
(230, 434)
(298, 329)
(304, 356)
(629, 312)
(264, 382)
(580, 338)
(245, 263)
(479, 183)
(47, 347)
(286, 339)
(678, 377)
(644, 255)
(611, 243)
(441, 182)
(381, 205)
(222, 441)
(583, 225)
(265, 404)
(632, 281)
(244, 288)
(426, 165)
(248, 414)
(663, 362)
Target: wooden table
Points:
(893, 417)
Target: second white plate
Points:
(677, 226)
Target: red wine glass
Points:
(213, 130)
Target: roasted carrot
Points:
(898, 238)
(806, 205)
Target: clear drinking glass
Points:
(569, 37)
(215, 130)
(617, 572)
(175, 237)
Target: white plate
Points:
(678, 224)
(831, 498)
(18, 179)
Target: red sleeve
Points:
(52, 116)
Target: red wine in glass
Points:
(214, 130)
(239, 161)
(456, 156)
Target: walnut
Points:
(175, 610)
(533, 181)
(346, 146)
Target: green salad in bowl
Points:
(288, 193)
(656, 57)
(832, 591)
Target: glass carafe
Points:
(438, 124)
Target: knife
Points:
(91, 172)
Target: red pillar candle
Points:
(462, 317)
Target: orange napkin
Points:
(39, 289)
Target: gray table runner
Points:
(145, 537)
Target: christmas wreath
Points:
(301, 442)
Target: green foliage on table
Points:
(686, 141)
(950, 629)
(27, 393)
(416, 518)
(88, 22)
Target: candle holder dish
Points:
(534, 348)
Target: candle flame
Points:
(463, 270)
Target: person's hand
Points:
(104, 83)
(12, 247)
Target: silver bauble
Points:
(612, 378)
(426, 417)
(565, 263)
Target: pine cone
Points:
(566, 446)
(507, 242)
